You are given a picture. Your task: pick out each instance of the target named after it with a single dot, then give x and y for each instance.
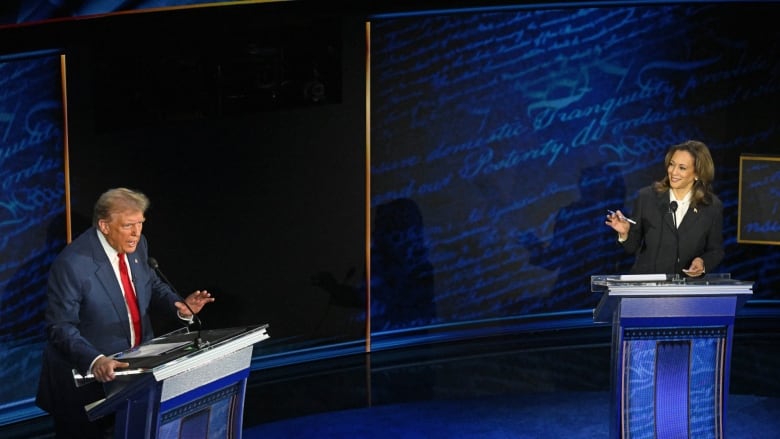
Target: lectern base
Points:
(671, 349)
(672, 382)
(214, 415)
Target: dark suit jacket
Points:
(654, 238)
(86, 316)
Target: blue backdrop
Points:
(32, 212)
(499, 139)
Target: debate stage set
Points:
(400, 211)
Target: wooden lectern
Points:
(671, 352)
(181, 385)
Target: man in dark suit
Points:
(91, 315)
(677, 224)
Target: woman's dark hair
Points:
(702, 165)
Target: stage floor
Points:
(491, 388)
(487, 388)
(571, 415)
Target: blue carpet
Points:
(572, 415)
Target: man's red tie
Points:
(132, 302)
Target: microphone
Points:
(199, 343)
(673, 208)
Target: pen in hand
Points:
(621, 217)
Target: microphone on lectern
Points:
(156, 267)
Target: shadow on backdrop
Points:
(579, 230)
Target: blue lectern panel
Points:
(638, 390)
(673, 382)
(213, 416)
(706, 386)
(195, 425)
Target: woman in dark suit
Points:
(677, 223)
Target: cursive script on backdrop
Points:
(515, 131)
(32, 210)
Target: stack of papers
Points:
(643, 277)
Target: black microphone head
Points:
(153, 263)
(672, 205)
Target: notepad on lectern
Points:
(643, 277)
